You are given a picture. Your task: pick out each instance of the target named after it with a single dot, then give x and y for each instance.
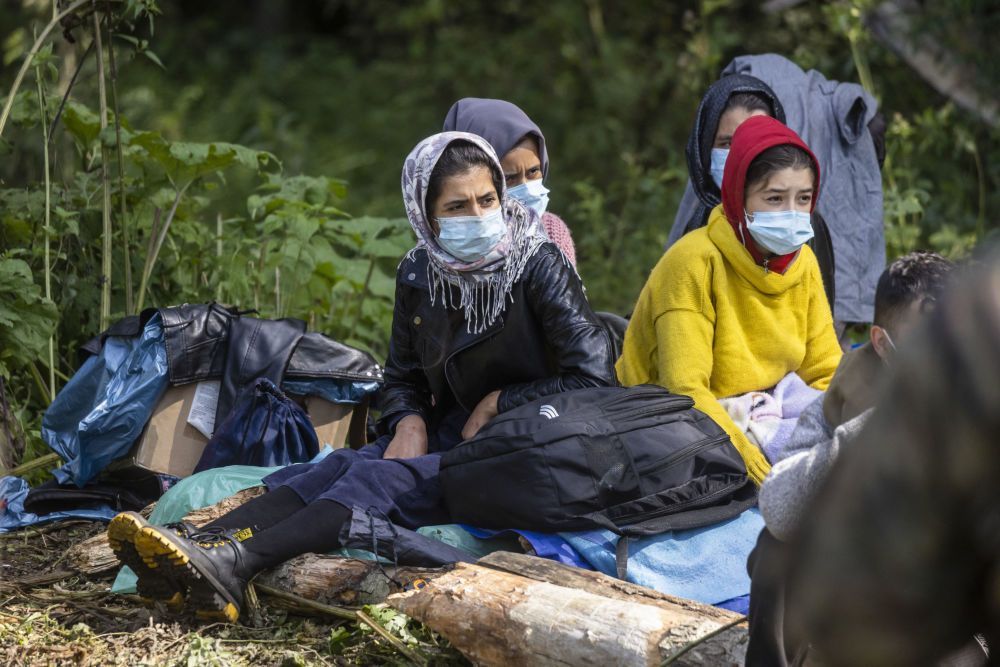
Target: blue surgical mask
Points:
(532, 194)
(781, 232)
(718, 164)
(471, 237)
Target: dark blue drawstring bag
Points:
(264, 428)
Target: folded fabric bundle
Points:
(769, 417)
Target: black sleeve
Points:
(877, 128)
(580, 343)
(405, 390)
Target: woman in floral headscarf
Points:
(489, 315)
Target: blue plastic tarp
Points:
(14, 491)
(101, 411)
(345, 392)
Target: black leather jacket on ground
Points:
(548, 340)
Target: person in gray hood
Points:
(519, 143)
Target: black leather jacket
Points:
(548, 340)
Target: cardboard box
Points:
(169, 444)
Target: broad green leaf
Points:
(27, 319)
(82, 123)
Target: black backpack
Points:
(634, 460)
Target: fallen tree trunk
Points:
(496, 617)
(340, 581)
(542, 569)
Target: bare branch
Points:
(890, 23)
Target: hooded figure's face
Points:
(522, 163)
(729, 121)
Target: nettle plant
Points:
(123, 219)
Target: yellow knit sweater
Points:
(710, 323)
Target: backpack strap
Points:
(621, 557)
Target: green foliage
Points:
(27, 319)
(347, 88)
(204, 652)
(205, 210)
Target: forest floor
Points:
(52, 616)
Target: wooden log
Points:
(340, 581)
(500, 618)
(94, 556)
(542, 569)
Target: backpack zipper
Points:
(687, 451)
(679, 507)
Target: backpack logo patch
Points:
(548, 412)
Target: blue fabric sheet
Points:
(704, 564)
(101, 411)
(14, 491)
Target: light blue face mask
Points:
(718, 164)
(781, 232)
(471, 237)
(532, 194)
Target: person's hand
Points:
(410, 439)
(484, 412)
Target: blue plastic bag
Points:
(98, 415)
(265, 428)
(14, 491)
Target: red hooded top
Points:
(754, 136)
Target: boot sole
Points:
(207, 596)
(152, 586)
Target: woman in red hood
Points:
(735, 306)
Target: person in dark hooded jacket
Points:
(726, 104)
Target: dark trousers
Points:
(772, 642)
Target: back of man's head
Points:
(908, 288)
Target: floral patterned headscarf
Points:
(483, 286)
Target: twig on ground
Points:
(347, 614)
(329, 610)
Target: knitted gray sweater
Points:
(794, 480)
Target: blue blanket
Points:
(704, 564)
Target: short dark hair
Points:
(459, 157)
(750, 102)
(916, 277)
(776, 158)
